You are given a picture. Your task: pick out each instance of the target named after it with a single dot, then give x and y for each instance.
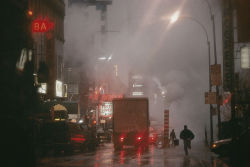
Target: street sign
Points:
(216, 74)
(210, 98)
(42, 25)
(106, 109)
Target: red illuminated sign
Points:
(105, 97)
(42, 25)
(94, 96)
(110, 97)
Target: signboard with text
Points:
(245, 57)
(110, 97)
(59, 89)
(106, 109)
(216, 74)
(210, 98)
(42, 25)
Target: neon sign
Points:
(110, 97)
(42, 25)
(95, 96)
(106, 109)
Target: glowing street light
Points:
(105, 58)
(30, 12)
(102, 58)
(175, 17)
(110, 57)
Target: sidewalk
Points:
(198, 153)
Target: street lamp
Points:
(105, 58)
(215, 60)
(174, 18)
(213, 28)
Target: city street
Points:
(105, 156)
(107, 83)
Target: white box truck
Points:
(130, 122)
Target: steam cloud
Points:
(175, 59)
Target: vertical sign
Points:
(228, 45)
(245, 57)
(166, 127)
(216, 74)
(59, 89)
(210, 98)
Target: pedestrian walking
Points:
(172, 138)
(186, 135)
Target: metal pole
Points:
(215, 59)
(214, 38)
(217, 87)
(210, 105)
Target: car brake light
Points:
(139, 138)
(122, 138)
(78, 138)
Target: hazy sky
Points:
(175, 56)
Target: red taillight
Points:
(139, 138)
(78, 138)
(153, 137)
(122, 139)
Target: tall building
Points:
(48, 35)
(137, 86)
(72, 79)
(18, 93)
(236, 64)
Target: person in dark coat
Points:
(91, 137)
(186, 135)
(172, 137)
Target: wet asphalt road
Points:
(105, 156)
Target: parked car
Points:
(63, 136)
(91, 137)
(241, 149)
(237, 150)
(222, 147)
